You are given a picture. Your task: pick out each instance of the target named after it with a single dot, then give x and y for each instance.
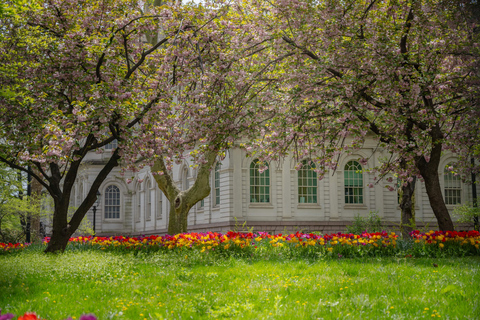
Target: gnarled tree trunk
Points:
(182, 201)
(178, 215)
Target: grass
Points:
(177, 286)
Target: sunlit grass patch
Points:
(199, 286)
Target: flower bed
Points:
(432, 243)
(5, 247)
(448, 242)
(238, 243)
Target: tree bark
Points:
(429, 172)
(182, 201)
(407, 206)
(178, 218)
(61, 230)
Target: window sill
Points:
(355, 206)
(452, 206)
(113, 220)
(261, 205)
(308, 206)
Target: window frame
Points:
(105, 205)
(148, 200)
(448, 186)
(112, 145)
(216, 185)
(307, 174)
(353, 193)
(255, 175)
(159, 211)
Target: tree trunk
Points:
(182, 201)
(407, 206)
(434, 192)
(178, 215)
(61, 230)
(429, 172)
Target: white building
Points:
(279, 199)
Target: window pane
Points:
(307, 183)
(259, 183)
(112, 202)
(217, 185)
(452, 185)
(353, 182)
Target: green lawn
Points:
(174, 286)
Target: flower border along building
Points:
(281, 198)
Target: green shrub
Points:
(13, 216)
(371, 223)
(466, 213)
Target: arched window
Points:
(148, 200)
(112, 202)
(216, 185)
(159, 203)
(185, 185)
(80, 197)
(138, 202)
(73, 200)
(201, 203)
(353, 182)
(112, 145)
(259, 183)
(453, 185)
(307, 183)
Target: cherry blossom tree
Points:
(165, 80)
(223, 72)
(75, 76)
(405, 71)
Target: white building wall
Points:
(330, 213)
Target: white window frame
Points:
(112, 145)
(159, 211)
(105, 205)
(256, 195)
(138, 202)
(452, 187)
(351, 191)
(306, 179)
(148, 200)
(216, 184)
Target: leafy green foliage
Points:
(13, 216)
(14, 209)
(371, 223)
(466, 213)
(10, 183)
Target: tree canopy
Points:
(406, 71)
